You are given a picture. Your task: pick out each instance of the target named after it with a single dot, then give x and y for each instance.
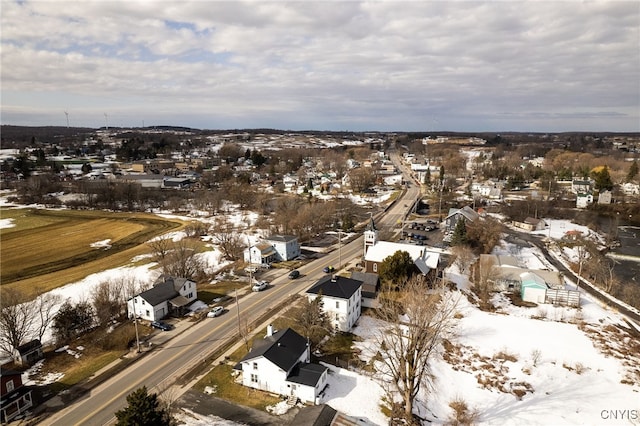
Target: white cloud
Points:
(334, 65)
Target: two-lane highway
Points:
(159, 369)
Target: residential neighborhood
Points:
(249, 220)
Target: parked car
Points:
(262, 285)
(294, 274)
(215, 312)
(161, 325)
(328, 269)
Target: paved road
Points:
(173, 359)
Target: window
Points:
(147, 312)
(337, 304)
(375, 267)
(337, 317)
(135, 300)
(254, 378)
(10, 385)
(255, 365)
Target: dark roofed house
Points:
(280, 364)
(323, 415)
(342, 299)
(169, 295)
(30, 352)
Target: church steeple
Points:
(370, 235)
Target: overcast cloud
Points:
(384, 65)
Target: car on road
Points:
(161, 325)
(294, 274)
(328, 269)
(262, 285)
(215, 312)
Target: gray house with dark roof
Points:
(168, 296)
(280, 364)
(342, 300)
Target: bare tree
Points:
(228, 239)
(463, 257)
(160, 247)
(44, 308)
(416, 324)
(182, 260)
(17, 320)
(107, 300)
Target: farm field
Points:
(49, 248)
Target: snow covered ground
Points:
(533, 366)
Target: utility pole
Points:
(238, 313)
(339, 249)
(135, 324)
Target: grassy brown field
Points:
(49, 248)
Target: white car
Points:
(260, 286)
(215, 312)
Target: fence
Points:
(563, 297)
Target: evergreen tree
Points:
(633, 171)
(603, 179)
(143, 410)
(441, 175)
(459, 236)
(70, 321)
(427, 177)
(396, 268)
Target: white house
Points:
(276, 248)
(583, 200)
(342, 300)
(286, 246)
(280, 364)
(168, 295)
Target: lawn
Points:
(49, 248)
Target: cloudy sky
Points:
(329, 65)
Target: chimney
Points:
(269, 330)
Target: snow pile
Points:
(279, 409)
(189, 418)
(6, 223)
(104, 244)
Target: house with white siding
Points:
(279, 364)
(169, 295)
(275, 248)
(342, 300)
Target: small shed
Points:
(30, 352)
(533, 288)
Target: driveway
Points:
(207, 405)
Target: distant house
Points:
(280, 364)
(30, 352)
(168, 296)
(581, 186)
(176, 183)
(583, 200)
(275, 248)
(466, 213)
(629, 188)
(531, 224)
(342, 300)
(15, 398)
(604, 197)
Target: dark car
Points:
(294, 274)
(161, 325)
(328, 269)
